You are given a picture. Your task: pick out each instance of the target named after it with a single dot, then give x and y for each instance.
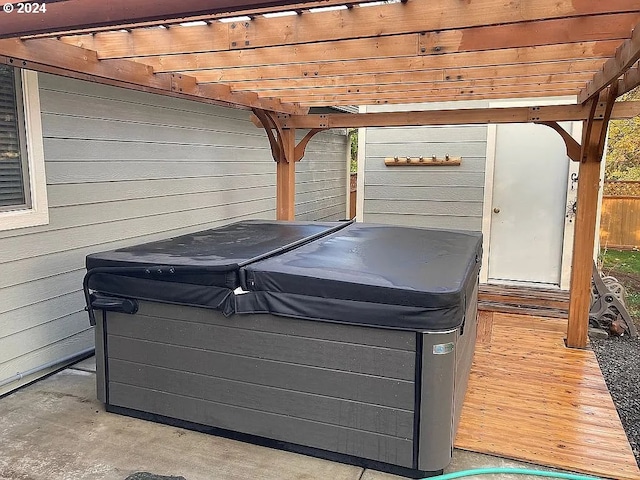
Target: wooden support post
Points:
(593, 140)
(583, 242)
(286, 153)
(286, 176)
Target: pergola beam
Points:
(626, 55)
(473, 116)
(383, 20)
(76, 62)
(429, 44)
(71, 14)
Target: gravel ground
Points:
(619, 359)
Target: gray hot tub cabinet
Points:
(303, 360)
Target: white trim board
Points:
(38, 213)
(362, 145)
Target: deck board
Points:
(531, 399)
(523, 300)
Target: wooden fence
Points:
(353, 195)
(620, 221)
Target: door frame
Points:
(568, 232)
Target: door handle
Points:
(496, 210)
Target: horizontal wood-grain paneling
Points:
(352, 386)
(268, 323)
(337, 387)
(369, 360)
(262, 398)
(279, 427)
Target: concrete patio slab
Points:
(88, 364)
(56, 429)
(464, 460)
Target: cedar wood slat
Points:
(560, 421)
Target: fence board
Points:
(620, 222)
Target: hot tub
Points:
(351, 342)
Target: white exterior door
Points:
(528, 205)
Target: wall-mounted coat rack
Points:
(425, 161)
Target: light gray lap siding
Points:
(125, 167)
(438, 197)
(321, 178)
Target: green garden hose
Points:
(515, 471)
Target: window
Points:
(23, 200)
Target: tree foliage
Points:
(353, 141)
(623, 150)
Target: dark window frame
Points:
(18, 112)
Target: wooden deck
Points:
(532, 399)
(540, 302)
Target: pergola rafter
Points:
(626, 55)
(454, 63)
(78, 62)
(630, 80)
(425, 43)
(493, 75)
(515, 19)
(411, 51)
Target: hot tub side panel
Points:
(464, 356)
(444, 372)
(335, 387)
(101, 358)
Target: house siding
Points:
(126, 167)
(437, 197)
(321, 178)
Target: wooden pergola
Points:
(278, 58)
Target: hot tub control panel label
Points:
(443, 348)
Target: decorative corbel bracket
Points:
(594, 135)
(573, 147)
(591, 139)
(273, 125)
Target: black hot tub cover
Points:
(377, 275)
(200, 269)
(396, 277)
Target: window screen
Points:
(14, 187)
